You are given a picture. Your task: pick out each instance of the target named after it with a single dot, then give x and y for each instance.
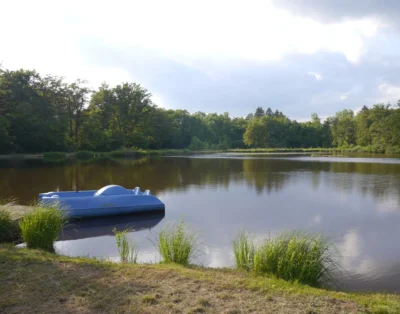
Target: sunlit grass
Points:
(128, 250)
(177, 244)
(41, 227)
(293, 256)
(243, 250)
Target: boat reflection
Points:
(102, 226)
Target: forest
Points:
(45, 113)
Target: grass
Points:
(33, 281)
(243, 251)
(8, 227)
(41, 227)
(128, 250)
(177, 244)
(293, 256)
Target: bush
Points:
(293, 256)
(84, 155)
(41, 227)
(177, 244)
(128, 251)
(54, 156)
(197, 144)
(8, 227)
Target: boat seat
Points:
(110, 190)
(136, 190)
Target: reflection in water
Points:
(102, 226)
(356, 204)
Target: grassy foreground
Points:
(33, 281)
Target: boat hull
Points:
(111, 211)
(109, 201)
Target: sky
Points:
(297, 56)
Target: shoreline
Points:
(32, 280)
(176, 152)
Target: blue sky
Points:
(299, 57)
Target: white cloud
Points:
(317, 76)
(388, 93)
(49, 35)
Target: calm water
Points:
(353, 201)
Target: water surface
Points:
(353, 201)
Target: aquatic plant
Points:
(128, 250)
(177, 244)
(41, 227)
(293, 256)
(8, 227)
(243, 250)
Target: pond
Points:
(355, 202)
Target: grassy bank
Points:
(34, 281)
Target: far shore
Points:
(176, 152)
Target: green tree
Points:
(256, 134)
(259, 112)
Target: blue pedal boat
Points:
(110, 200)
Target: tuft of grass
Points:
(243, 250)
(149, 299)
(177, 244)
(41, 227)
(8, 227)
(292, 256)
(128, 250)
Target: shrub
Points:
(177, 244)
(197, 144)
(54, 156)
(41, 227)
(84, 155)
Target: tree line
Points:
(46, 113)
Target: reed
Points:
(8, 227)
(243, 250)
(293, 256)
(41, 227)
(128, 250)
(177, 244)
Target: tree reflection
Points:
(25, 179)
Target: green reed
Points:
(177, 244)
(41, 227)
(243, 250)
(128, 250)
(293, 256)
